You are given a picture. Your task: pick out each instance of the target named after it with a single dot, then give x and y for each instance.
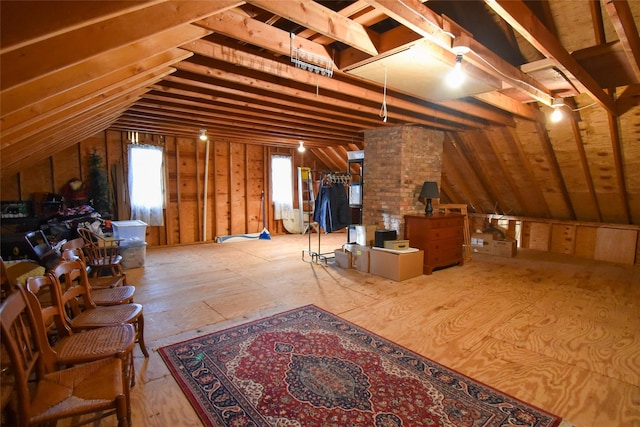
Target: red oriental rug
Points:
(308, 367)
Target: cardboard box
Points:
(505, 248)
(342, 258)
(359, 256)
(485, 248)
(396, 244)
(485, 244)
(481, 239)
(384, 235)
(396, 265)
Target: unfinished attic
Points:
(486, 155)
(260, 76)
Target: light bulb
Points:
(456, 77)
(203, 135)
(556, 116)
(301, 148)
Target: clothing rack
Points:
(305, 181)
(343, 178)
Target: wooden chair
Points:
(6, 286)
(103, 255)
(44, 396)
(103, 296)
(97, 282)
(80, 310)
(67, 347)
(42, 250)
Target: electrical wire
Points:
(383, 108)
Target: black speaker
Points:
(382, 235)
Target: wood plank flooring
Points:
(559, 332)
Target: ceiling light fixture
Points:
(301, 148)
(456, 77)
(556, 104)
(203, 135)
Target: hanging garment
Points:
(332, 211)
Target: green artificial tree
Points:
(98, 193)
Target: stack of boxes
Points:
(490, 244)
(380, 253)
(133, 245)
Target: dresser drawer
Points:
(445, 233)
(443, 257)
(446, 222)
(441, 245)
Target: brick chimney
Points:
(396, 162)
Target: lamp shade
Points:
(429, 190)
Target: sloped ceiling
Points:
(71, 69)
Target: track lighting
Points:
(301, 148)
(203, 135)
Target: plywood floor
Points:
(558, 332)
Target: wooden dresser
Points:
(440, 236)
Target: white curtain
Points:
(282, 191)
(146, 183)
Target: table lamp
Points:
(429, 191)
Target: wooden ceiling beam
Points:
(472, 174)
(95, 67)
(229, 22)
(554, 166)
(24, 23)
(191, 100)
(184, 83)
(337, 84)
(446, 34)
(625, 26)
(417, 17)
(616, 149)
(358, 11)
(53, 54)
(66, 134)
(519, 16)
(223, 115)
(362, 106)
(240, 27)
(126, 123)
(136, 120)
(584, 162)
(50, 120)
(456, 169)
(67, 99)
(509, 104)
(238, 120)
(326, 159)
(323, 20)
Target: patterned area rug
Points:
(308, 367)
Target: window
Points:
(146, 183)
(282, 191)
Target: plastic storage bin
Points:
(133, 253)
(130, 230)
